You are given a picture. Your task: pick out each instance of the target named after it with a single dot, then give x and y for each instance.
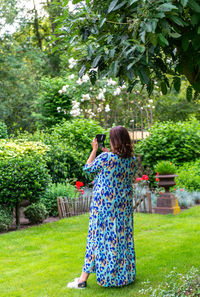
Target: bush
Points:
(176, 284)
(189, 176)
(165, 167)
(23, 172)
(69, 148)
(177, 142)
(5, 219)
(53, 106)
(49, 198)
(3, 131)
(36, 213)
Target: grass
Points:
(39, 261)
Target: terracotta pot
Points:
(166, 181)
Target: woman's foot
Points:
(77, 284)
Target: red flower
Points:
(138, 179)
(160, 193)
(82, 192)
(145, 177)
(182, 190)
(157, 179)
(157, 173)
(79, 184)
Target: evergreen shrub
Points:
(5, 219)
(49, 198)
(178, 142)
(36, 213)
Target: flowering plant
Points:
(78, 186)
(165, 167)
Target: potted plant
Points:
(165, 174)
(166, 202)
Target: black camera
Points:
(100, 139)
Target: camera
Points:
(100, 139)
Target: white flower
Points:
(79, 81)
(64, 88)
(85, 78)
(71, 76)
(120, 99)
(153, 106)
(117, 91)
(123, 87)
(85, 97)
(64, 111)
(111, 82)
(107, 108)
(150, 101)
(93, 69)
(59, 109)
(76, 111)
(104, 90)
(100, 96)
(60, 91)
(149, 105)
(99, 109)
(72, 63)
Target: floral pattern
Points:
(110, 246)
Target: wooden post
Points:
(149, 201)
(59, 208)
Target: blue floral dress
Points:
(110, 246)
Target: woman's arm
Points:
(94, 151)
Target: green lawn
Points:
(39, 261)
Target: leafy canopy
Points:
(138, 40)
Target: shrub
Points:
(165, 167)
(49, 198)
(177, 142)
(69, 148)
(189, 176)
(23, 172)
(36, 213)
(53, 106)
(5, 219)
(3, 131)
(176, 284)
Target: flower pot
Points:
(167, 202)
(166, 181)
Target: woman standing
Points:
(110, 247)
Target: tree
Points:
(139, 40)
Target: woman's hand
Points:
(95, 145)
(105, 149)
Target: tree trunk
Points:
(17, 215)
(36, 26)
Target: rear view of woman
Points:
(110, 247)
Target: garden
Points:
(75, 69)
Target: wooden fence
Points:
(68, 207)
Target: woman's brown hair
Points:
(120, 142)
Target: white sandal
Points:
(76, 285)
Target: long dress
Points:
(110, 245)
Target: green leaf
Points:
(115, 68)
(198, 31)
(162, 40)
(194, 5)
(163, 88)
(177, 83)
(132, 2)
(112, 5)
(82, 71)
(185, 42)
(96, 61)
(189, 93)
(166, 7)
(184, 2)
(177, 20)
(195, 19)
(175, 34)
(102, 22)
(120, 5)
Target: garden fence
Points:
(68, 207)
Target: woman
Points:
(110, 247)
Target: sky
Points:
(28, 5)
